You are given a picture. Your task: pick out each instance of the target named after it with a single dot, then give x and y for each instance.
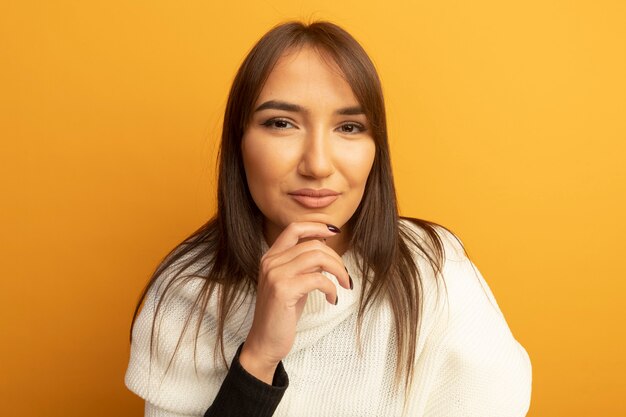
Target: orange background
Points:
(507, 123)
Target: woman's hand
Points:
(289, 270)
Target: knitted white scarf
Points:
(467, 361)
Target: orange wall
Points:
(507, 122)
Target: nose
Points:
(317, 154)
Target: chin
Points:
(316, 217)
(326, 219)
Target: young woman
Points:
(306, 280)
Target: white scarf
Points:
(467, 361)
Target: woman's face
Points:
(308, 149)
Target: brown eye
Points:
(352, 128)
(277, 124)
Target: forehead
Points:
(302, 55)
(307, 73)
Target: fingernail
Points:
(333, 229)
(350, 278)
(336, 300)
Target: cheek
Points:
(264, 168)
(253, 165)
(256, 171)
(358, 164)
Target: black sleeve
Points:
(243, 395)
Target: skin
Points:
(324, 143)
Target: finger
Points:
(299, 230)
(316, 261)
(317, 281)
(306, 246)
(307, 239)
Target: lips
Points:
(311, 198)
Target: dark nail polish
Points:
(336, 300)
(333, 229)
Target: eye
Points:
(352, 127)
(278, 124)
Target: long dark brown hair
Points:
(226, 251)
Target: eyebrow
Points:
(290, 107)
